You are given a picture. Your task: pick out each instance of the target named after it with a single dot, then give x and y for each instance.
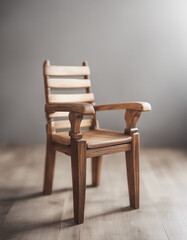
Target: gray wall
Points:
(137, 50)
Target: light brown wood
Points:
(62, 148)
(78, 163)
(131, 118)
(96, 152)
(57, 138)
(47, 89)
(66, 71)
(132, 157)
(138, 106)
(49, 165)
(68, 98)
(75, 120)
(88, 89)
(68, 83)
(93, 143)
(132, 163)
(101, 138)
(64, 124)
(95, 138)
(52, 80)
(82, 108)
(96, 171)
(59, 115)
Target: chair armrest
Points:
(81, 108)
(77, 110)
(137, 106)
(132, 114)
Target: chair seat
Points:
(95, 138)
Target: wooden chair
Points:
(81, 143)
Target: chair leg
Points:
(132, 162)
(96, 170)
(78, 163)
(49, 168)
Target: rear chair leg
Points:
(132, 162)
(78, 163)
(49, 168)
(96, 170)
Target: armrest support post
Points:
(131, 118)
(75, 120)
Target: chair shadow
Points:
(25, 197)
(12, 229)
(61, 190)
(111, 212)
(70, 222)
(37, 194)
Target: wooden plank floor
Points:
(26, 214)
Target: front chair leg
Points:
(78, 163)
(132, 163)
(96, 170)
(49, 168)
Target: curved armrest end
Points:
(145, 106)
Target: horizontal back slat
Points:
(68, 83)
(66, 77)
(59, 114)
(64, 124)
(66, 71)
(67, 98)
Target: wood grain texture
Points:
(96, 152)
(71, 98)
(139, 106)
(66, 70)
(64, 124)
(49, 167)
(75, 120)
(95, 138)
(132, 163)
(26, 214)
(62, 148)
(49, 162)
(46, 88)
(131, 119)
(92, 143)
(51, 79)
(59, 115)
(96, 171)
(68, 83)
(78, 163)
(82, 108)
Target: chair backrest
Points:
(58, 78)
